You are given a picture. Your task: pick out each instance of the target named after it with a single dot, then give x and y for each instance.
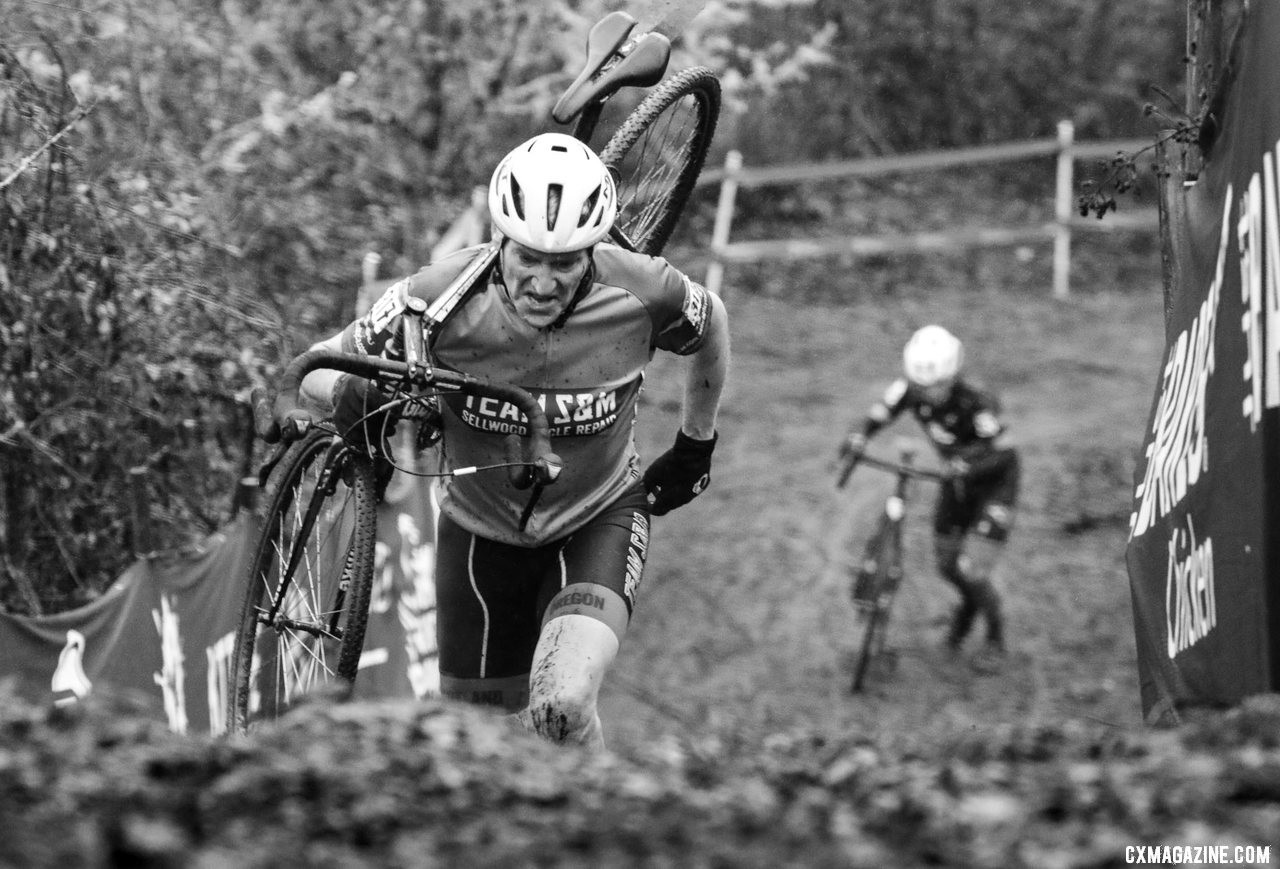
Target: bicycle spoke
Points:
(657, 153)
(650, 171)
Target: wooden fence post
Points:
(246, 493)
(724, 218)
(1062, 209)
(140, 512)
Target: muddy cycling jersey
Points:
(585, 371)
(964, 426)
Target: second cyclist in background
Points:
(975, 507)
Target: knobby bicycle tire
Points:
(316, 642)
(657, 153)
(872, 632)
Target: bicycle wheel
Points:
(881, 571)
(871, 642)
(657, 153)
(306, 603)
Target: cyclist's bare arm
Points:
(708, 370)
(317, 387)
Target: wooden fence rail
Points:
(734, 176)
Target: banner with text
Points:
(1202, 554)
(165, 628)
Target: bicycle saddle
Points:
(613, 63)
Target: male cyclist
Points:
(529, 621)
(979, 497)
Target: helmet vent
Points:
(517, 197)
(589, 206)
(554, 193)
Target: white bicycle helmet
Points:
(553, 194)
(932, 356)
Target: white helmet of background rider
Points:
(932, 356)
(553, 194)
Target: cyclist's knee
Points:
(995, 522)
(981, 557)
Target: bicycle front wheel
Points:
(882, 573)
(873, 624)
(657, 153)
(306, 604)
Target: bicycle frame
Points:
(327, 486)
(879, 575)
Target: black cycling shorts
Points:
(984, 504)
(493, 598)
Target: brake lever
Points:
(530, 504)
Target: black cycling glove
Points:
(360, 414)
(681, 473)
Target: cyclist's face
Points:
(541, 284)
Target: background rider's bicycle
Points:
(307, 593)
(877, 577)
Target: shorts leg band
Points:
(508, 692)
(592, 600)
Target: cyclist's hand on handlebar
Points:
(680, 474)
(852, 447)
(360, 413)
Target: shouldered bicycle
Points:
(307, 592)
(878, 576)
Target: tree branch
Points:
(49, 143)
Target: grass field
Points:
(744, 626)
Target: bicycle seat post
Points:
(415, 350)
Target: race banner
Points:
(164, 630)
(1204, 545)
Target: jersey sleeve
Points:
(679, 308)
(685, 329)
(887, 409)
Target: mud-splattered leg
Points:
(569, 664)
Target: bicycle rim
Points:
(320, 611)
(657, 153)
